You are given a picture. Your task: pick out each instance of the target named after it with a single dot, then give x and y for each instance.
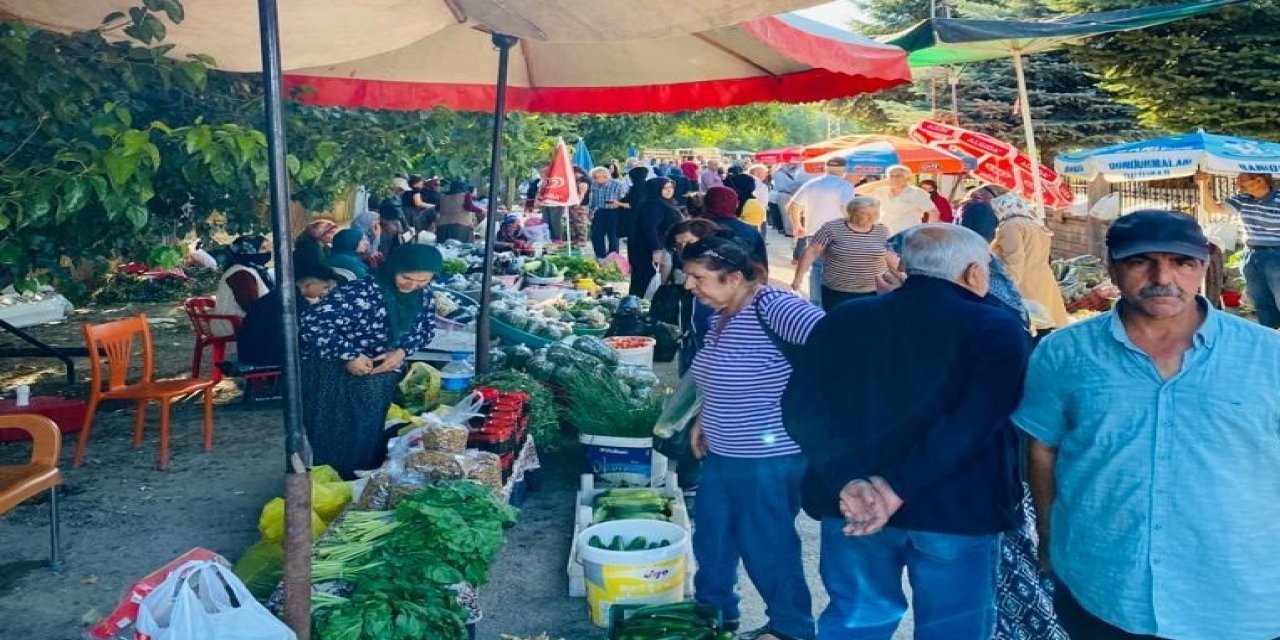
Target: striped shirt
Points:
(1261, 217)
(854, 259)
(603, 193)
(741, 375)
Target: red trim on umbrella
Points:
(820, 52)
(805, 86)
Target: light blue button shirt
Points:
(1167, 516)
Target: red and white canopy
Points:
(322, 32)
(998, 162)
(784, 58)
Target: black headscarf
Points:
(403, 308)
(246, 251)
(744, 185)
(637, 193)
(653, 190)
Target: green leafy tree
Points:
(1218, 71)
(1068, 107)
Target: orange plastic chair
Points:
(116, 342)
(200, 312)
(22, 481)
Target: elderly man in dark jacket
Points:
(901, 404)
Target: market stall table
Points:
(21, 311)
(67, 413)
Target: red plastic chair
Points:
(200, 311)
(116, 342)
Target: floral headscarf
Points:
(1010, 205)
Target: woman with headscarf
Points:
(311, 248)
(354, 344)
(750, 210)
(630, 203)
(456, 221)
(1023, 244)
(720, 205)
(245, 279)
(349, 247)
(655, 215)
(976, 213)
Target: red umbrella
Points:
(559, 187)
(785, 58)
(998, 162)
(793, 153)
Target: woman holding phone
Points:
(354, 344)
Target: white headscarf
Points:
(1010, 205)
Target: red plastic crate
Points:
(493, 438)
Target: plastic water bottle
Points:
(22, 395)
(455, 379)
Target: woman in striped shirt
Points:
(854, 251)
(749, 491)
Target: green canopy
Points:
(943, 41)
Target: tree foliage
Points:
(1220, 72)
(1068, 107)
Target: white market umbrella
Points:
(785, 58)
(321, 32)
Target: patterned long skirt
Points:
(344, 415)
(1024, 596)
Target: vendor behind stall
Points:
(354, 343)
(260, 342)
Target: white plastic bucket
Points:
(619, 462)
(642, 356)
(650, 576)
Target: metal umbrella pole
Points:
(297, 525)
(1024, 106)
(504, 44)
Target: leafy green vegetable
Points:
(601, 405)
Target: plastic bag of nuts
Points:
(447, 438)
(434, 466)
(483, 467)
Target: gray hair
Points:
(859, 204)
(942, 250)
(597, 170)
(899, 167)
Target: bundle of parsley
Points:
(444, 535)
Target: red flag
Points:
(560, 187)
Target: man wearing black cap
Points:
(814, 204)
(1155, 460)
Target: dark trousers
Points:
(1082, 625)
(604, 232)
(832, 298)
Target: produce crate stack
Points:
(503, 428)
(594, 507)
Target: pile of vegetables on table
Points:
(400, 571)
(1084, 284)
(631, 504)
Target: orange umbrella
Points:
(874, 154)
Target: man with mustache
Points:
(1155, 459)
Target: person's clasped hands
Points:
(867, 504)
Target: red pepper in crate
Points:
(497, 436)
(489, 394)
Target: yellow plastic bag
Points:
(261, 567)
(329, 494)
(271, 522)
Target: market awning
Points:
(1173, 157)
(944, 41)
(786, 58)
(321, 32)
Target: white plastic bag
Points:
(204, 600)
(654, 283)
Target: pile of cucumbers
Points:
(631, 504)
(638, 543)
(681, 621)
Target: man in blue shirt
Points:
(904, 422)
(1155, 463)
(605, 200)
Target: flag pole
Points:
(1024, 106)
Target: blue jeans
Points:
(815, 281)
(953, 584)
(746, 510)
(1262, 283)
